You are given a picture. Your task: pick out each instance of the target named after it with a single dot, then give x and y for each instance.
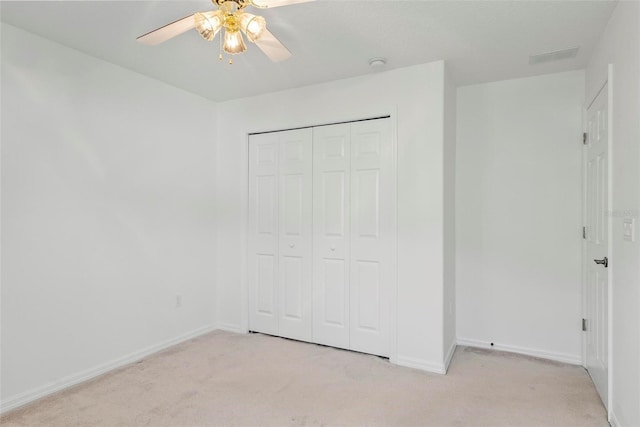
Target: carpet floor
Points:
(248, 380)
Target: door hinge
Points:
(584, 232)
(584, 138)
(584, 325)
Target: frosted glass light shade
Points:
(233, 42)
(209, 23)
(253, 26)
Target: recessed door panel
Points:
(367, 283)
(367, 203)
(334, 291)
(266, 155)
(601, 202)
(590, 207)
(294, 150)
(266, 285)
(334, 146)
(292, 204)
(333, 196)
(266, 204)
(292, 281)
(368, 144)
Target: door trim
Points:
(389, 112)
(610, 108)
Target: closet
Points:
(321, 234)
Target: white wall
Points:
(413, 96)
(518, 208)
(449, 303)
(620, 46)
(108, 205)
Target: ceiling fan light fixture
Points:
(230, 22)
(233, 42)
(253, 26)
(209, 23)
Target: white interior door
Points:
(295, 234)
(597, 219)
(371, 236)
(262, 275)
(331, 152)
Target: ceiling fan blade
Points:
(168, 31)
(272, 47)
(276, 3)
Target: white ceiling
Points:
(331, 39)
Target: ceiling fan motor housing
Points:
(231, 6)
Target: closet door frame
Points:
(390, 113)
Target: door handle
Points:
(604, 261)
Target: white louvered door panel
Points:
(371, 236)
(262, 275)
(295, 231)
(331, 151)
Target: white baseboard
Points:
(613, 420)
(229, 327)
(423, 365)
(71, 380)
(543, 354)
(447, 360)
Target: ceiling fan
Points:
(232, 19)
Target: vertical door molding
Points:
(610, 278)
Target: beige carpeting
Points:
(248, 380)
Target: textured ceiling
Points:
(480, 40)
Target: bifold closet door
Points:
(280, 233)
(353, 235)
(331, 152)
(372, 206)
(295, 241)
(262, 275)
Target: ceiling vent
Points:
(553, 56)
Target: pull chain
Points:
(220, 55)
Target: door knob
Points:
(604, 261)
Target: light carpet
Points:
(229, 379)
